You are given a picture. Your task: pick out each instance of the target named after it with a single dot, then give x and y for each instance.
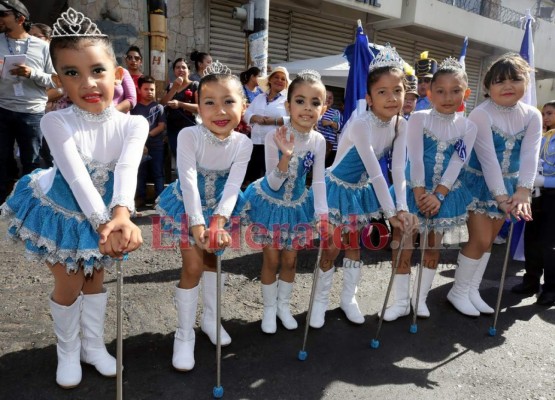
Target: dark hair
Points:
(245, 76)
(447, 70)
(134, 48)
(219, 78)
(145, 79)
(376, 74)
(508, 66)
(197, 57)
(306, 77)
(550, 103)
(79, 42)
(44, 29)
(180, 59)
(26, 24)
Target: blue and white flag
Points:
(359, 57)
(527, 52)
(462, 57)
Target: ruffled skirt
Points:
(51, 232)
(278, 223)
(482, 200)
(174, 224)
(452, 213)
(351, 204)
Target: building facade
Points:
(304, 29)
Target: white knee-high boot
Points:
(352, 271)
(474, 294)
(93, 349)
(401, 298)
(208, 319)
(459, 293)
(428, 275)
(321, 298)
(283, 300)
(184, 342)
(66, 327)
(270, 298)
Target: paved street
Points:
(451, 356)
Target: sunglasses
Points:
(5, 13)
(134, 58)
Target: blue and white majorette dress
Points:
(56, 211)
(356, 188)
(280, 207)
(505, 155)
(211, 171)
(437, 146)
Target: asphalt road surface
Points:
(450, 357)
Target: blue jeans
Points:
(172, 141)
(23, 128)
(154, 166)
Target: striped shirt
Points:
(329, 133)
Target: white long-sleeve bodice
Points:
(372, 138)
(198, 147)
(445, 129)
(312, 142)
(111, 141)
(521, 121)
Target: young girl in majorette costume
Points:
(211, 159)
(500, 173)
(75, 216)
(356, 188)
(280, 204)
(438, 143)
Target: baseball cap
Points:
(14, 5)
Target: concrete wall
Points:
(127, 20)
(187, 28)
(123, 20)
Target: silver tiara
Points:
(450, 63)
(310, 73)
(217, 68)
(387, 57)
(74, 23)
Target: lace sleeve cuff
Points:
(498, 192)
(415, 184)
(99, 217)
(402, 207)
(447, 183)
(389, 213)
(123, 202)
(224, 212)
(195, 220)
(280, 174)
(528, 185)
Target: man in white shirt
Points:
(22, 92)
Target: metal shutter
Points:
(227, 39)
(298, 36)
(279, 35)
(292, 36)
(313, 36)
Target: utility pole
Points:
(255, 16)
(158, 37)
